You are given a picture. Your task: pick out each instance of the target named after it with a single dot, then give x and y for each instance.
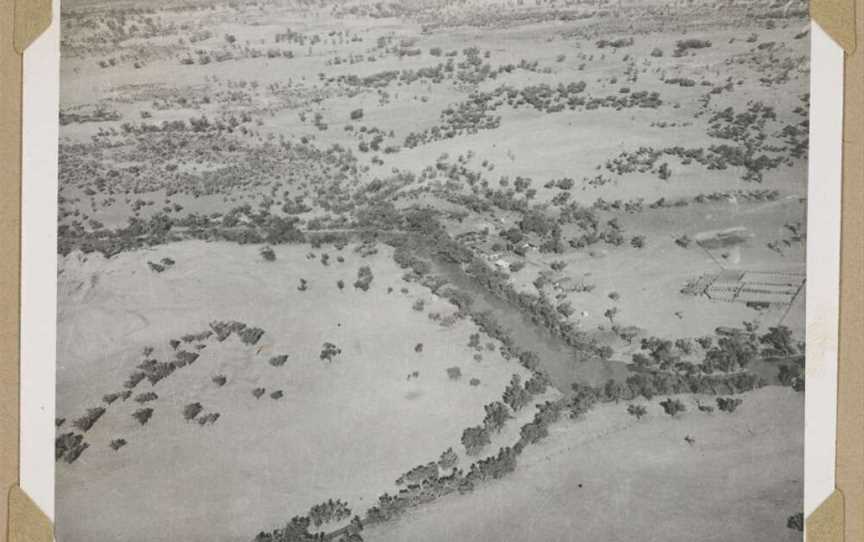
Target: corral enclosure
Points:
(431, 269)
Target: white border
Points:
(39, 265)
(823, 266)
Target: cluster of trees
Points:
(425, 484)
(160, 229)
(109, 398)
(249, 335)
(69, 447)
(734, 350)
(297, 530)
(328, 511)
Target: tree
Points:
(475, 439)
(796, 522)
(610, 314)
(143, 415)
(637, 411)
(191, 410)
(515, 395)
(728, 404)
(448, 459)
(672, 406)
(497, 415)
(779, 342)
(329, 351)
(364, 278)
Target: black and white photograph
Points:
(432, 270)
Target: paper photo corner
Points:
(834, 520)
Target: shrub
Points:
(474, 382)
(356, 114)
(277, 394)
(704, 408)
(220, 380)
(116, 444)
(268, 254)
(637, 411)
(454, 373)
(258, 392)
(682, 46)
